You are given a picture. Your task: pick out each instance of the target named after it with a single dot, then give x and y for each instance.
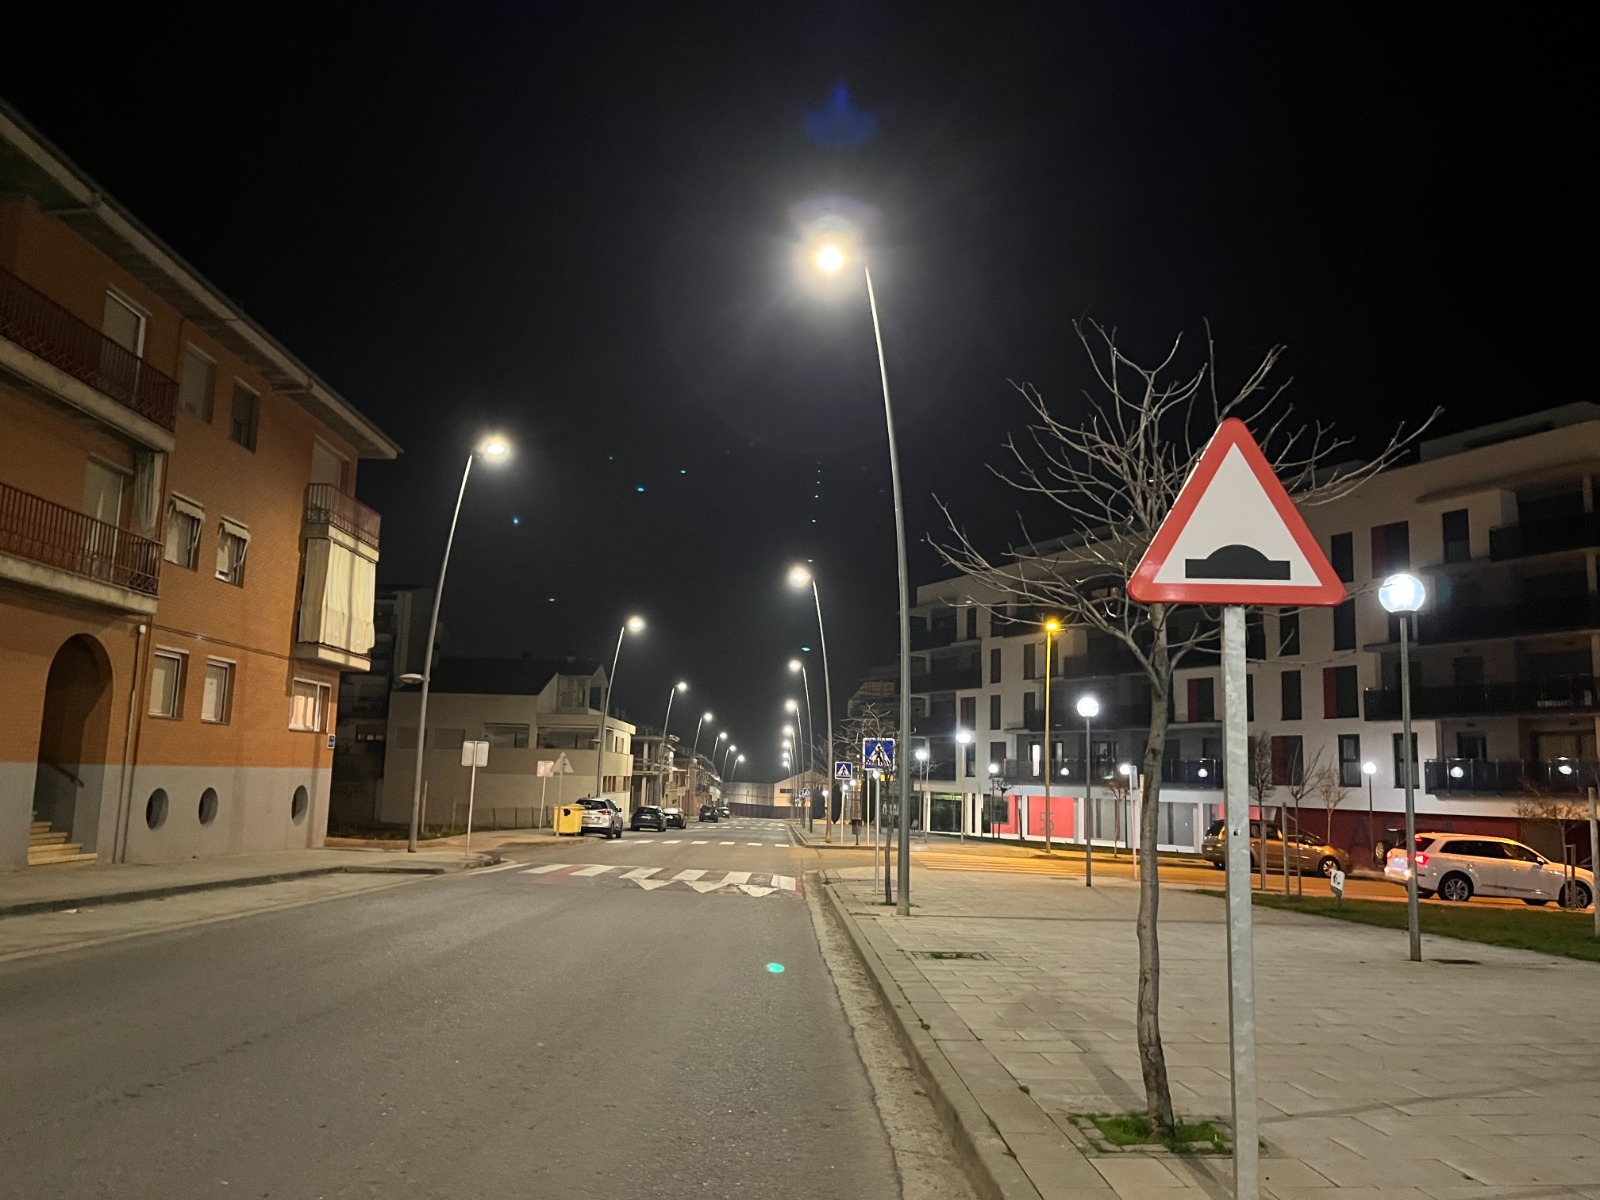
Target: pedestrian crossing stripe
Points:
(749, 883)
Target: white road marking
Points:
(594, 870)
(641, 873)
(652, 884)
(703, 888)
(644, 841)
(727, 843)
(699, 843)
(758, 843)
(547, 867)
(673, 842)
(750, 889)
(786, 882)
(736, 877)
(688, 875)
(505, 866)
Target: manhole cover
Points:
(1459, 962)
(943, 955)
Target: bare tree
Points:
(1323, 785)
(1568, 814)
(1114, 473)
(1262, 784)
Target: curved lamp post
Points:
(493, 449)
(801, 577)
(631, 625)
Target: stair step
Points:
(47, 838)
(39, 827)
(64, 852)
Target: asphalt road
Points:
(569, 1032)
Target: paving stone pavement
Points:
(1378, 1077)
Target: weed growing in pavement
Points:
(1133, 1129)
(1024, 1089)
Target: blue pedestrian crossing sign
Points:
(878, 752)
(843, 770)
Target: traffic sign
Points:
(474, 754)
(878, 752)
(1235, 537)
(843, 770)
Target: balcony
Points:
(1484, 777)
(947, 680)
(53, 548)
(933, 637)
(51, 351)
(1063, 716)
(1192, 772)
(1570, 693)
(327, 505)
(1580, 531)
(1545, 614)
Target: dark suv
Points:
(648, 817)
(708, 812)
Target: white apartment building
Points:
(1500, 523)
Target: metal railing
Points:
(42, 327)
(53, 535)
(1192, 772)
(1577, 532)
(327, 505)
(947, 680)
(1487, 777)
(1546, 614)
(1530, 696)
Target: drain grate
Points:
(1459, 962)
(947, 955)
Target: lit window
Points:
(217, 699)
(198, 385)
(308, 705)
(166, 684)
(232, 546)
(184, 520)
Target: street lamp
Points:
(1369, 769)
(1088, 709)
(672, 694)
(830, 258)
(493, 449)
(796, 664)
(1052, 626)
(793, 706)
(1403, 595)
(735, 766)
(631, 625)
(704, 717)
(800, 577)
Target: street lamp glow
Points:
(794, 665)
(682, 686)
(1125, 770)
(922, 754)
(964, 736)
(830, 259)
(788, 731)
(635, 624)
(1088, 707)
(994, 768)
(791, 706)
(799, 577)
(1052, 625)
(494, 447)
(705, 716)
(1402, 593)
(1369, 767)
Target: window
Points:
(972, 761)
(1342, 556)
(994, 711)
(994, 665)
(1391, 548)
(1349, 760)
(124, 323)
(1255, 635)
(969, 712)
(1289, 683)
(232, 545)
(246, 415)
(198, 385)
(1288, 632)
(166, 684)
(1030, 706)
(1202, 699)
(997, 754)
(184, 519)
(217, 700)
(308, 707)
(1473, 744)
(1249, 697)
(506, 737)
(1457, 536)
(1341, 696)
(1466, 670)
(1344, 626)
(972, 623)
(1030, 661)
(1288, 761)
(1400, 767)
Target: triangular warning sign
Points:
(1235, 537)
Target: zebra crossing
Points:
(755, 884)
(679, 841)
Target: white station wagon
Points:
(1459, 866)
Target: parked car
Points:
(600, 816)
(708, 812)
(724, 812)
(1460, 866)
(648, 816)
(1307, 854)
(674, 818)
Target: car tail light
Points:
(1422, 861)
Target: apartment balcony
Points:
(948, 680)
(1570, 693)
(937, 724)
(52, 548)
(339, 540)
(1192, 772)
(1546, 614)
(935, 636)
(1484, 777)
(1581, 531)
(47, 351)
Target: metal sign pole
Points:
(1594, 857)
(1241, 965)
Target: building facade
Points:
(1500, 523)
(184, 569)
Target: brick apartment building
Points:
(184, 570)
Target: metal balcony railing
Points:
(1577, 532)
(1547, 614)
(327, 505)
(947, 680)
(1192, 772)
(1487, 777)
(42, 327)
(1531, 696)
(53, 535)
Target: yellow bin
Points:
(569, 819)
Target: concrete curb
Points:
(814, 842)
(979, 1148)
(128, 896)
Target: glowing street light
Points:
(631, 625)
(800, 577)
(1052, 626)
(1088, 709)
(797, 666)
(1403, 595)
(493, 448)
(704, 719)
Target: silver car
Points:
(601, 816)
(1457, 867)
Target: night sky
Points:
(576, 223)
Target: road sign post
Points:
(474, 755)
(1234, 538)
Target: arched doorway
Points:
(72, 740)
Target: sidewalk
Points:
(51, 889)
(1470, 1076)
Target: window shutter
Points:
(1280, 761)
(1330, 692)
(1194, 699)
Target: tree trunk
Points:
(1152, 1059)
